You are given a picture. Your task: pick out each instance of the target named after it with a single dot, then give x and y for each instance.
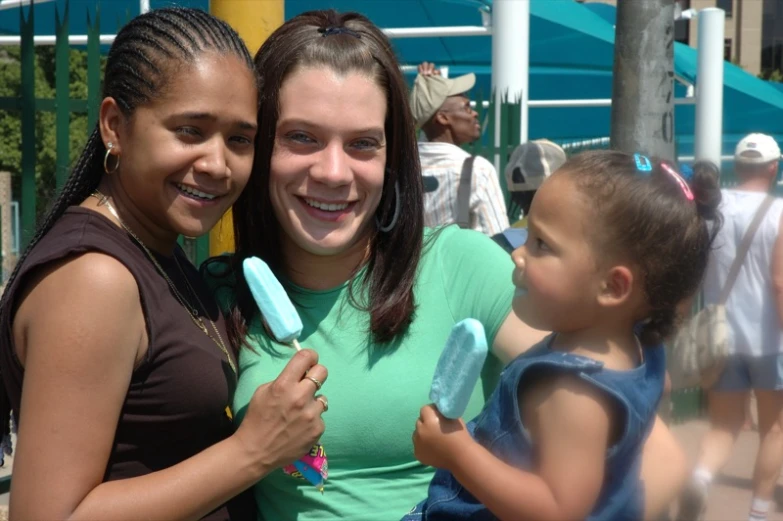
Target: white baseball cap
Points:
(757, 149)
(429, 93)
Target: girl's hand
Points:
(438, 439)
(283, 419)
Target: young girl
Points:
(615, 243)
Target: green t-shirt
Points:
(375, 391)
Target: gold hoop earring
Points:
(106, 169)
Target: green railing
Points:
(64, 106)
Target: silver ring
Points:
(317, 383)
(323, 401)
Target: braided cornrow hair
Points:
(138, 67)
(136, 72)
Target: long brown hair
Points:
(342, 42)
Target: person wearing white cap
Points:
(754, 309)
(459, 188)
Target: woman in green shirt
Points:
(334, 206)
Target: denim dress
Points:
(499, 428)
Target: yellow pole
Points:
(254, 20)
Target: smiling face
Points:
(327, 166)
(556, 274)
(186, 156)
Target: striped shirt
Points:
(443, 161)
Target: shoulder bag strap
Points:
(742, 251)
(463, 193)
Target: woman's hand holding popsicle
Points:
(283, 421)
(283, 322)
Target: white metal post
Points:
(709, 86)
(11, 4)
(144, 6)
(510, 59)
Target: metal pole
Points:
(643, 80)
(254, 21)
(73, 39)
(144, 6)
(709, 86)
(11, 4)
(510, 58)
(436, 32)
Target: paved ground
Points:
(731, 492)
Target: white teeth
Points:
(326, 206)
(193, 191)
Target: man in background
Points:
(459, 188)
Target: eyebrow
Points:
(541, 232)
(376, 131)
(211, 117)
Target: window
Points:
(682, 28)
(727, 49)
(726, 5)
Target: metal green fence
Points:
(27, 105)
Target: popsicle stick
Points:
(296, 344)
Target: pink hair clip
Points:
(677, 177)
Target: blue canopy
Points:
(571, 56)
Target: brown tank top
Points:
(177, 398)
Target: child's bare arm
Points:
(570, 422)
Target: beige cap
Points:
(531, 163)
(429, 93)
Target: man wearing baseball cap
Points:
(754, 311)
(757, 154)
(528, 166)
(459, 188)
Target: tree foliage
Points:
(45, 122)
(772, 75)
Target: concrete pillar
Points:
(642, 114)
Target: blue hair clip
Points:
(643, 163)
(686, 171)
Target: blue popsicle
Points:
(278, 311)
(459, 368)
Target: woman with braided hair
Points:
(114, 357)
